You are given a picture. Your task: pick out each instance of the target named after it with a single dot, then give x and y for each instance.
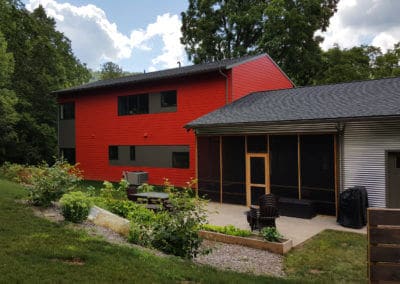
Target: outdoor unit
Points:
(137, 178)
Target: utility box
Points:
(136, 178)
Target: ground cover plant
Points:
(227, 230)
(34, 250)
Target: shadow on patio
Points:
(296, 229)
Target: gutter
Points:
(226, 85)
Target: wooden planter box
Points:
(280, 248)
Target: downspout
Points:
(341, 127)
(226, 85)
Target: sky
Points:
(144, 35)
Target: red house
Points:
(136, 123)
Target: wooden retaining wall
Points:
(383, 245)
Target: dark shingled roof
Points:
(354, 100)
(164, 74)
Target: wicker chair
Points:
(265, 214)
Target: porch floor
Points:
(296, 229)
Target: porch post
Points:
(298, 166)
(220, 169)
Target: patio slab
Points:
(296, 229)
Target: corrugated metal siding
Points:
(270, 129)
(364, 163)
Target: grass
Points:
(331, 256)
(35, 250)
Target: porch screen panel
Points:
(233, 173)
(317, 171)
(208, 167)
(283, 165)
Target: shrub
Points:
(50, 183)
(145, 187)
(227, 230)
(75, 206)
(108, 191)
(271, 234)
(177, 232)
(17, 173)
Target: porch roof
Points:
(336, 102)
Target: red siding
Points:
(257, 75)
(98, 126)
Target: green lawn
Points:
(330, 256)
(35, 250)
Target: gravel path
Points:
(241, 259)
(222, 256)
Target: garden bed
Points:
(252, 241)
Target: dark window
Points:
(68, 154)
(132, 153)
(67, 111)
(113, 153)
(180, 160)
(168, 99)
(136, 104)
(397, 161)
(257, 144)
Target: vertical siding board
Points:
(365, 146)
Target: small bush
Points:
(271, 234)
(227, 230)
(75, 206)
(50, 183)
(145, 187)
(17, 173)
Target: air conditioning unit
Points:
(137, 178)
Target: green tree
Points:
(218, 29)
(8, 100)
(44, 62)
(358, 63)
(110, 70)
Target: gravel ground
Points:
(241, 259)
(222, 256)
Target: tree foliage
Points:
(110, 70)
(217, 29)
(44, 62)
(358, 63)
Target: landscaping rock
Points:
(109, 220)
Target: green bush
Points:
(75, 206)
(271, 234)
(177, 232)
(50, 183)
(227, 230)
(145, 187)
(18, 173)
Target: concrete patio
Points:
(296, 229)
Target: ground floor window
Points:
(159, 156)
(68, 154)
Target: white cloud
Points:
(372, 22)
(95, 39)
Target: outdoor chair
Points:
(265, 214)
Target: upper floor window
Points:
(67, 111)
(135, 104)
(168, 99)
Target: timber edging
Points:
(279, 248)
